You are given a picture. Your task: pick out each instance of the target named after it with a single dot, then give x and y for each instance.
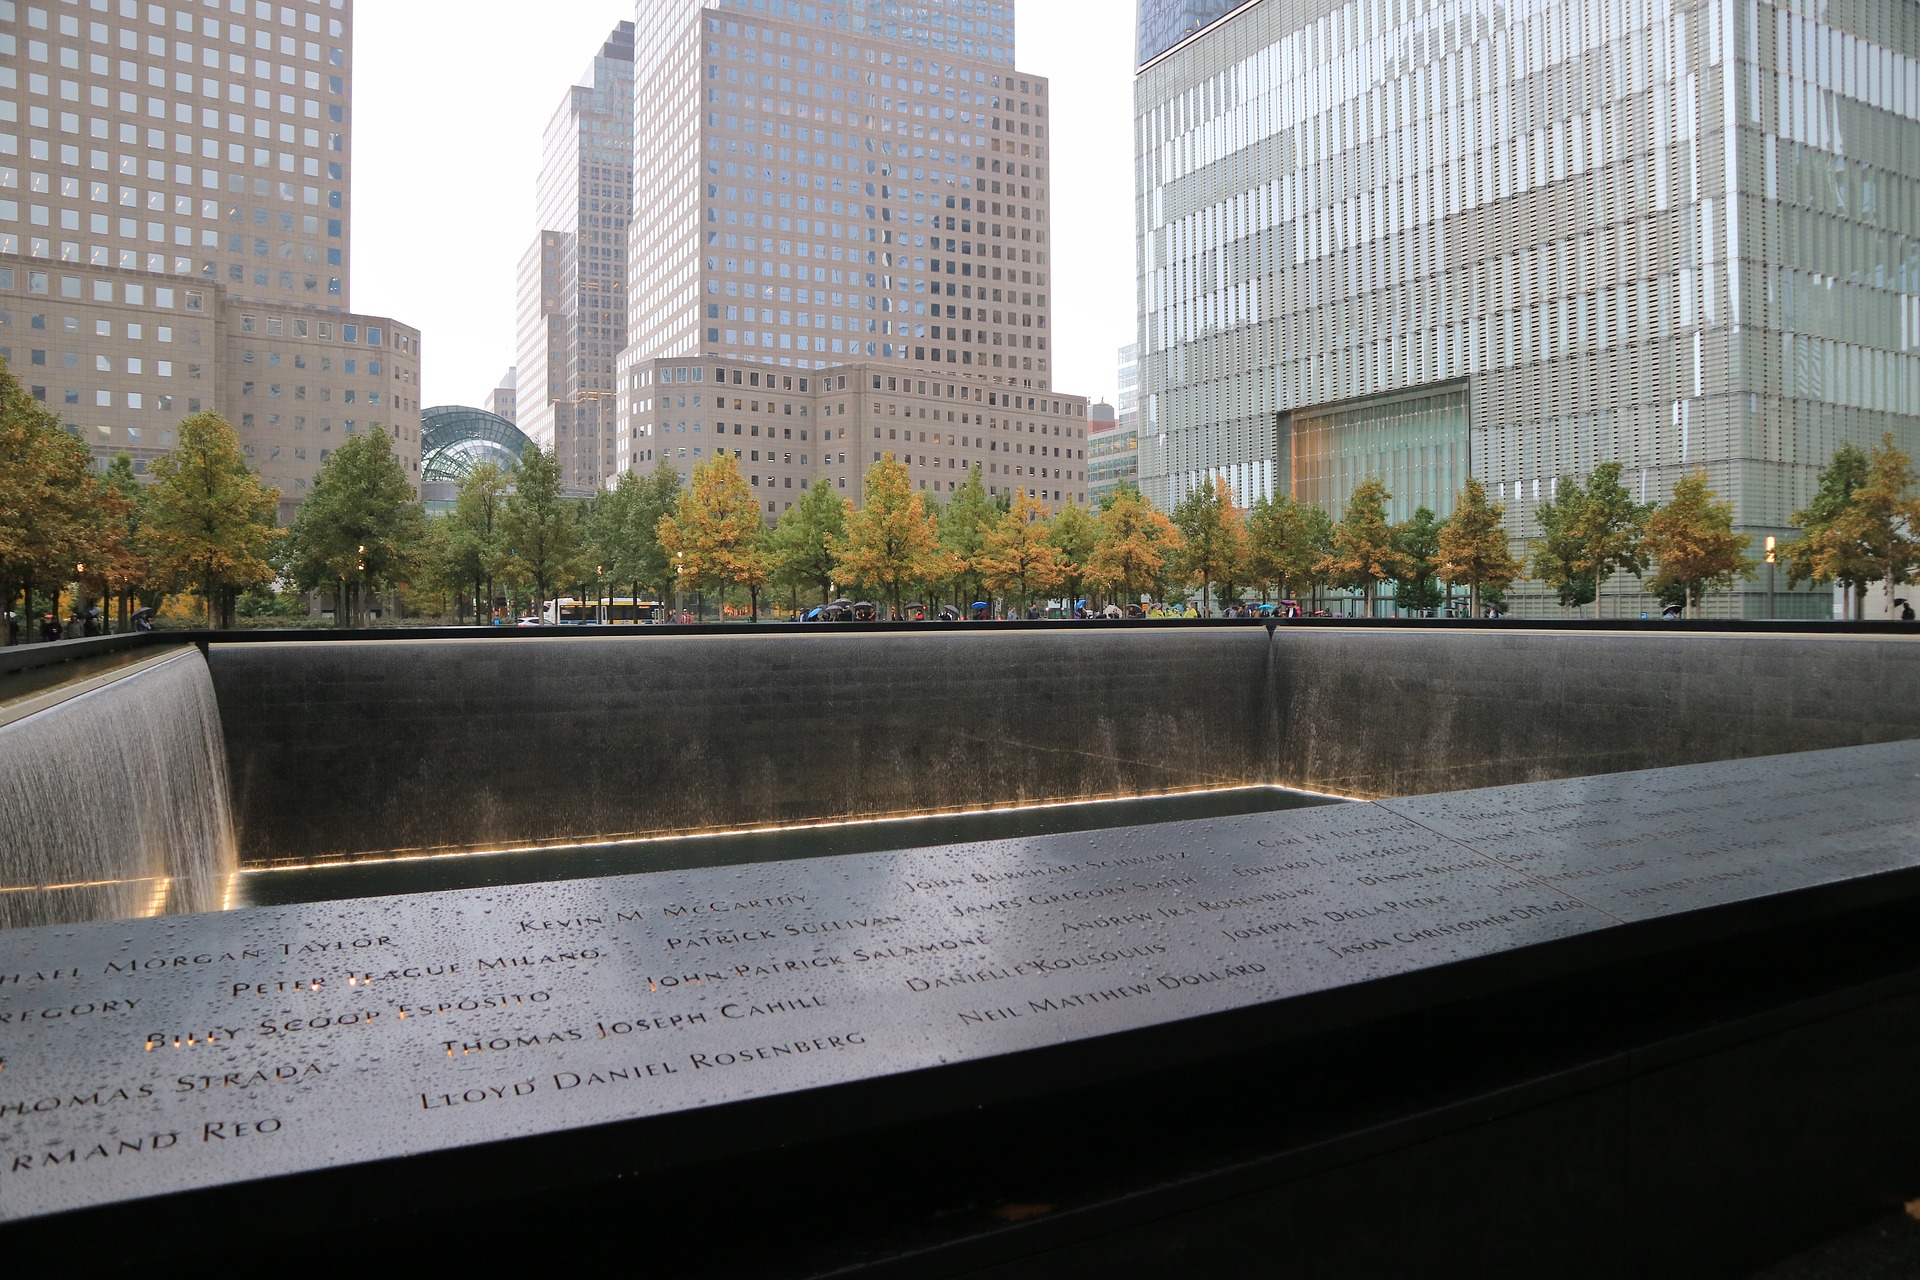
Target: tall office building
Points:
(838, 198)
(1113, 439)
(572, 316)
(1164, 23)
(1418, 241)
(504, 400)
(175, 228)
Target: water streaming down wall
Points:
(114, 801)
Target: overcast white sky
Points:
(451, 98)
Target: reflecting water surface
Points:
(276, 886)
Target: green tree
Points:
(1610, 528)
(1364, 554)
(473, 536)
(715, 535)
(801, 544)
(659, 495)
(1882, 521)
(1133, 543)
(891, 540)
(1474, 548)
(1560, 556)
(544, 540)
(1821, 554)
(1213, 539)
(360, 530)
(1017, 558)
(209, 520)
(1281, 547)
(123, 559)
(623, 541)
(963, 524)
(1692, 541)
(1073, 532)
(1416, 587)
(1319, 530)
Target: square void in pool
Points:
(377, 877)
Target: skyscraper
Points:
(1164, 23)
(853, 186)
(175, 230)
(504, 400)
(1419, 242)
(572, 318)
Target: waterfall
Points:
(114, 801)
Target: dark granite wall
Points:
(1384, 712)
(339, 747)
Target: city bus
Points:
(566, 611)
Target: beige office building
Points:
(788, 427)
(838, 194)
(175, 211)
(572, 285)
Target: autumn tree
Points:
(1016, 557)
(542, 533)
(1132, 545)
(1073, 533)
(50, 517)
(360, 530)
(1821, 553)
(890, 541)
(801, 545)
(1417, 540)
(210, 522)
(1473, 546)
(715, 534)
(1213, 539)
(1560, 555)
(1364, 554)
(1692, 543)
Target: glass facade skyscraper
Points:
(1165, 23)
(1668, 235)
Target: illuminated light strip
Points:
(80, 884)
(382, 859)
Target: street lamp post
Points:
(1770, 557)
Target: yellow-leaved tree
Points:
(891, 540)
(1131, 544)
(716, 534)
(1017, 556)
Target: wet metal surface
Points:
(150, 1056)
